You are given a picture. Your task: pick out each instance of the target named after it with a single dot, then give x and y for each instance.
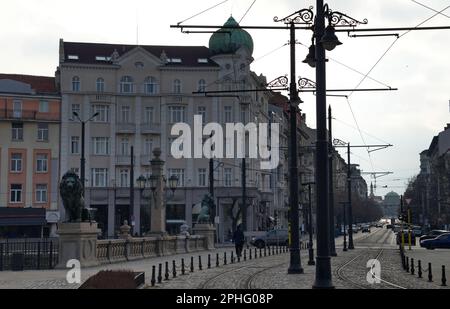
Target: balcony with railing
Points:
(126, 128)
(151, 128)
(27, 115)
(101, 98)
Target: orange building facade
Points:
(30, 113)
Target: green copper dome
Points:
(224, 42)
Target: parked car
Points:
(365, 229)
(442, 241)
(271, 238)
(432, 234)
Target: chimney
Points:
(62, 56)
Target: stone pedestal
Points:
(78, 241)
(125, 231)
(206, 230)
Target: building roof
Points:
(38, 84)
(228, 41)
(99, 53)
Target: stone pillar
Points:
(206, 230)
(78, 241)
(158, 210)
(125, 231)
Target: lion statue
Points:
(71, 191)
(205, 213)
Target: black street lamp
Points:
(83, 158)
(310, 224)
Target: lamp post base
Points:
(295, 270)
(323, 274)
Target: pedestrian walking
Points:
(239, 239)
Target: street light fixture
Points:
(311, 57)
(329, 40)
(83, 158)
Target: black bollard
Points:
(444, 278)
(265, 252)
(238, 258)
(250, 256)
(232, 257)
(183, 270)
(209, 261)
(412, 266)
(268, 249)
(200, 267)
(192, 264)
(430, 273)
(224, 258)
(174, 269)
(166, 274)
(153, 281)
(217, 260)
(419, 271)
(256, 253)
(407, 265)
(245, 255)
(273, 250)
(160, 273)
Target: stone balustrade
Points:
(121, 250)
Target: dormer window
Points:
(73, 57)
(126, 84)
(103, 58)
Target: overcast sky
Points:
(417, 64)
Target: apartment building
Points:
(30, 111)
(140, 92)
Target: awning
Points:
(22, 216)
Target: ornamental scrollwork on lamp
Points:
(306, 83)
(279, 82)
(304, 16)
(338, 19)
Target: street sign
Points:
(408, 201)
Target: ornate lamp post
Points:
(83, 158)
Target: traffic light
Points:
(403, 217)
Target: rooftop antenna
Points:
(137, 27)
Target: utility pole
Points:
(331, 183)
(351, 246)
(131, 218)
(323, 265)
(295, 266)
(244, 194)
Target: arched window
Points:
(177, 86)
(151, 85)
(100, 85)
(126, 84)
(75, 84)
(202, 85)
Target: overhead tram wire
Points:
(248, 10)
(368, 134)
(430, 8)
(373, 67)
(204, 11)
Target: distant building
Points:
(391, 205)
(30, 113)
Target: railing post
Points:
(160, 273)
(153, 281)
(217, 260)
(444, 278)
(224, 258)
(1, 256)
(50, 257)
(192, 264)
(39, 255)
(166, 274)
(108, 251)
(430, 273)
(200, 267)
(174, 269)
(209, 261)
(143, 248)
(419, 272)
(183, 270)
